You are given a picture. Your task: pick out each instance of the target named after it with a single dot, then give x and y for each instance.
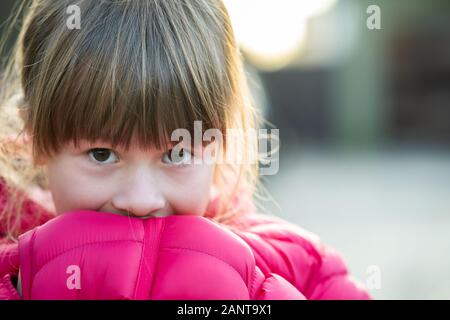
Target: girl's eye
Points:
(182, 158)
(101, 155)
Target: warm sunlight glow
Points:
(272, 32)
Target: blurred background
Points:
(360, 91)
(364, 119)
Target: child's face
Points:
(145, 183)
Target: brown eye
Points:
(101, 155)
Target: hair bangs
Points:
(128, 79)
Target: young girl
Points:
(87, 119)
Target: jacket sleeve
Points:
(165, 258)
(275, 287)
(315, 269)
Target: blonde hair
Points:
(144, 66)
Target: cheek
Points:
(73, 191)
(191, 194)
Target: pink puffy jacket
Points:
(177, 257)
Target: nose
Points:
(139, 196)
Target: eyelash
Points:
(90, 151)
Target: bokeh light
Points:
(270, 32)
